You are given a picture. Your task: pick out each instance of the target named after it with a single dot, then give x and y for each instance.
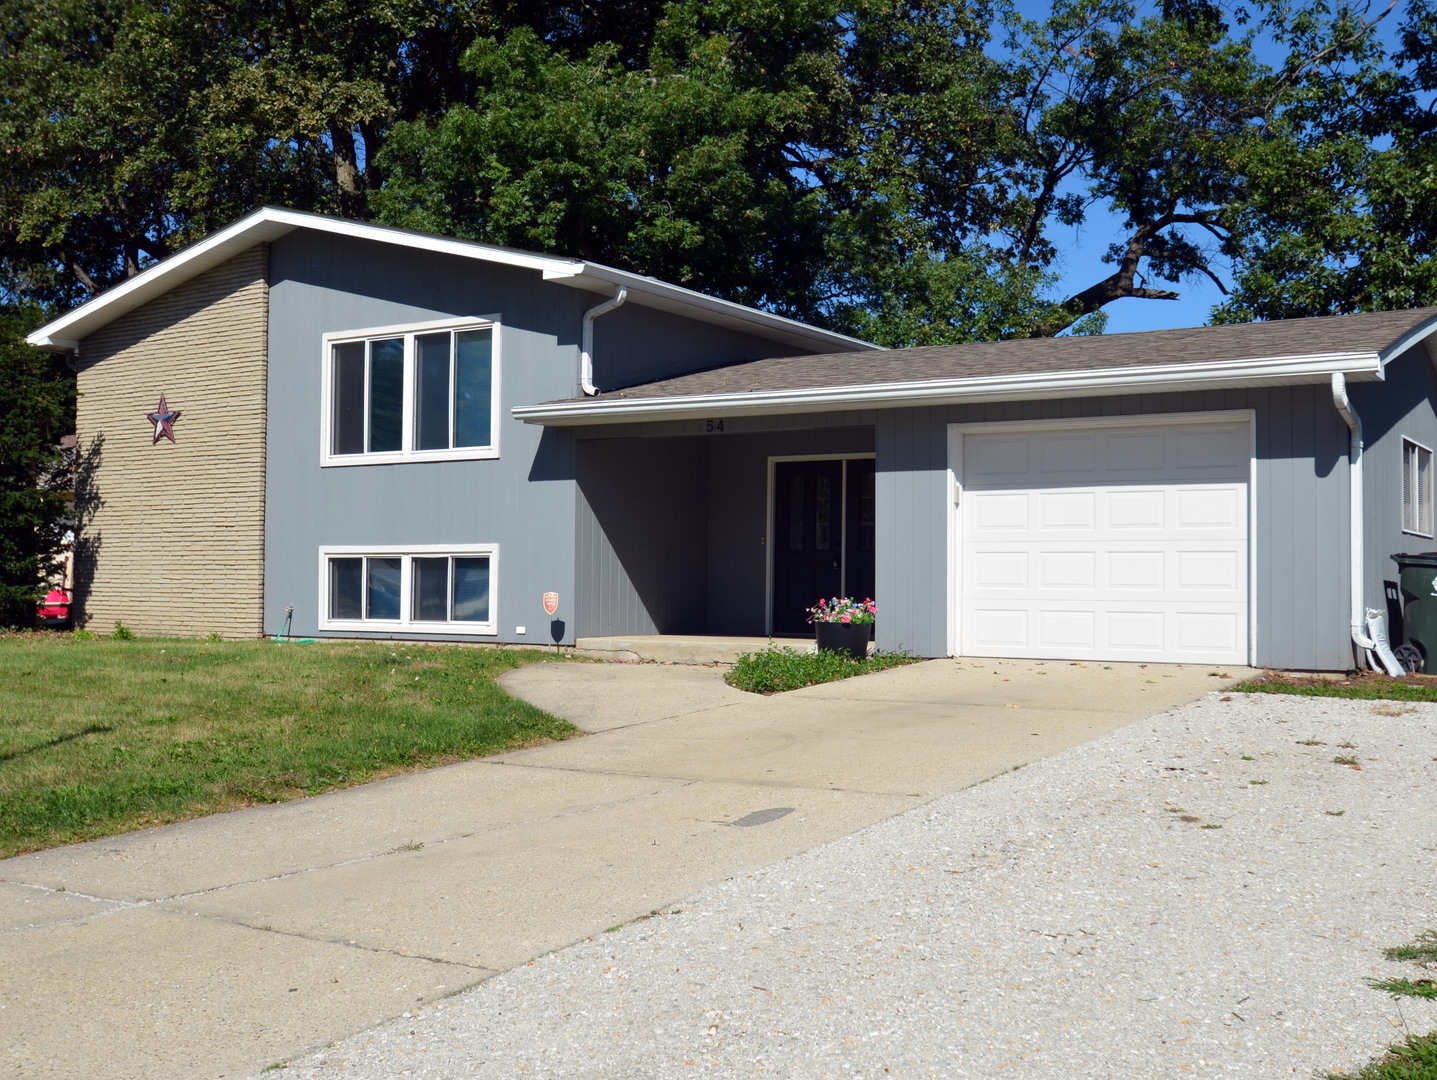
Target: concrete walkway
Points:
(216, 947)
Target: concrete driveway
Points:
(216, 947)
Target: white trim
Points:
(770, 525)
(407, 553)
(1407, 340)
(329, 459)
(272, 223)
(956, 431)
(1265, 371)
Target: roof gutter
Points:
(586, 349)
(1093, 383)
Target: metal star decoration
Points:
(164, 420)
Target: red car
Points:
(54, 610)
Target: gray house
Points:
(382, 433)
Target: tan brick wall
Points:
(172, 541)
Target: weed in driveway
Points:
(1416, 1057)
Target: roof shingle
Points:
(1365, 333)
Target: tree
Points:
(1355, 220)
(905, 169)
(37, 404)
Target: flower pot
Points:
(850, 638)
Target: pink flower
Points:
(846, 617)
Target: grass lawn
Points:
(103, 736)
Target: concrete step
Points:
(681, 649)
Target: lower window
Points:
(436, 589)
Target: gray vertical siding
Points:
(1301, 534)
(642, 544)
(523, 501)
(1404, 405)
(634, 344)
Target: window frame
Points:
(1417, 518)
(409, 424)
(406, 624)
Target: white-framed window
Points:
(421, 588)
(421, 392)
(1416, 488)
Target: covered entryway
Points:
(1104, 541)
(822, 536)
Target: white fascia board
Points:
(651, 292)
(1407, 340)
(1274, 371)
(262, 226)
(270, 223)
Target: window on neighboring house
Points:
(424, 588)
(1416, 488)
(401, 394)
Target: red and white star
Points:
(164, 420)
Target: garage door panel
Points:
(1005, 570)
(1211, 508)
(1131, 453)
(1064, 455)
(1201, 634)
(995, 512)
(1136, 570)
(1142, 509)
(1060, 630)
(998, 457)
(1124, 544)
(1210, 449)
(1059, 570)
(1064, 511)
(1084, 571)
(1210, 571)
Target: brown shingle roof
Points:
(1366, 333)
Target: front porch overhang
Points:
(1272, 371)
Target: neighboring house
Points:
(387, 433)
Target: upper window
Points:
(1416, 488)
(405, 394)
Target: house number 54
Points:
(713, 425)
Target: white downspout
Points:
(586, 348)
(1357, 570)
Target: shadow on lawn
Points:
(93, 729)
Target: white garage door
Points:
(1106, 543)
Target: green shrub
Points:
(122, 632)
(777, 669)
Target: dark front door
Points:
(822, 536)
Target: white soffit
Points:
(271, 223)
(1220, 375)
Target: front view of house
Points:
(371, 432)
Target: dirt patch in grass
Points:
(1362, 685)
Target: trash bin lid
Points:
(1425, 559)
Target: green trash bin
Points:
(1417, 576)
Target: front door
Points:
(823, 519)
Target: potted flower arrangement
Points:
(843, 624)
